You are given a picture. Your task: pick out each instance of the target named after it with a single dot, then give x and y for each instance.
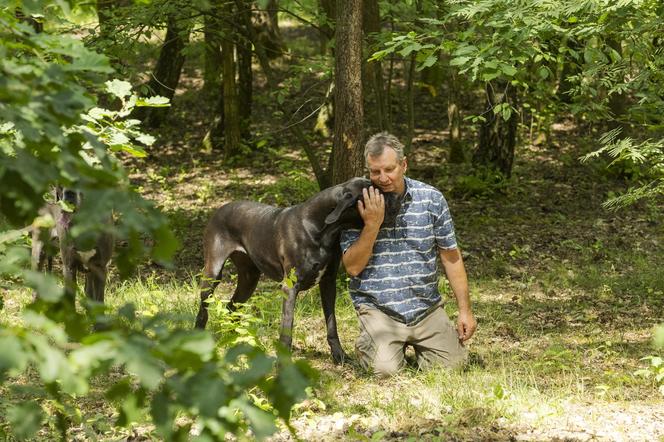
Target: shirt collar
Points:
(407, 195)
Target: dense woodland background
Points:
(542, 123)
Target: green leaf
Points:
(459, 61)
(506, 112)
(658, 339)
(508, 70)
(410, 48)
(146, 139)
(25, 419)
(47, 286)
(90, 61)
(166, 244)
(119, 88)
(430, 61)
(13, 358)
(261, 422)
(136, 354)
(156, 101)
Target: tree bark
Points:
(212, 31)
(456, 155)
(329, 7)
(231, 106)
(245, 73)
(497, 136)
(349, 112)
(267, 27)
(410, 104)
(617, 102)
(322, 177)
(166, 75)
(374, 69)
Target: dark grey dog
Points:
(46, 243)
(303, 239)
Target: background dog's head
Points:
(349, 193)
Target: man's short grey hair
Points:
(378, 142)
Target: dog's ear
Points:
(343, 202)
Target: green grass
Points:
(550, 338)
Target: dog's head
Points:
(349, 193)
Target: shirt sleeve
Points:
(348, 237)
(443, 227)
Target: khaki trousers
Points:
(383, 340)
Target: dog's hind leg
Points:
(216, 253)
(247, 279)
(328, 297)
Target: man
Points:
(394, 271)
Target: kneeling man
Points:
(394, 271)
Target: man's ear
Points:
(404, 164)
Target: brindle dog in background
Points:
(47, 242)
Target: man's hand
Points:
(372, 210)
(466, 325)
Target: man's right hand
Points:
(372, 210)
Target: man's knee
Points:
(387, 368)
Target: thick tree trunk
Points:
(374, 69)
(497, 136)
(166, 75)
(349, 113)
(231, 106)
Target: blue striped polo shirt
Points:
(401, 277)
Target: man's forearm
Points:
(456, 275)
(357, 256)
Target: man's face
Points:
(386, 172)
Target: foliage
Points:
(149, 368)
(644, 160)
(52, 133)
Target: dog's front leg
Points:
(328, 296)
(287, 316)
(69, 264)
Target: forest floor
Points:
(566, 293)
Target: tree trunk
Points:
(374, 69)
(456, 155)
(322, 177)
(410, 104)
(166, 75)
(231, 106)
(245, 73)
(617, 102)
(212, 31)
(497, 136)
(349, 115)
(329, 7)
(104, 13)
(267, 28)
(569, 68)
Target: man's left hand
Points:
(466, 325)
